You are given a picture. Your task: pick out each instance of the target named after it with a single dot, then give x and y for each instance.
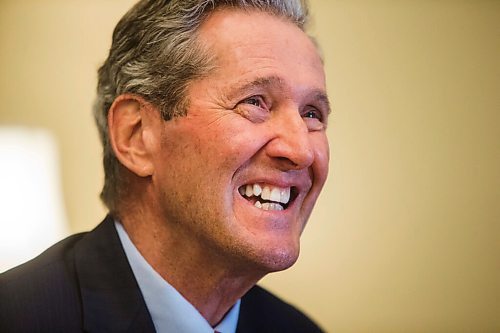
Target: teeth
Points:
(257, 190)
(285, 195)
(266, 192)
(249, 190)
(258, 204)
(270, 206)
(275, 194)
(275, 206)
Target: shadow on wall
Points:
(32, 214)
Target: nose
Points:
(290, 146)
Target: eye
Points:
(313, 113)
(254, 108)
(257, 101)
(314, 119)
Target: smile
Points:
(268, 197)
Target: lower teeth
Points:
(268, 206)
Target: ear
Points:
(129, 133)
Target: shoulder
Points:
(43, 289)
(262, 311)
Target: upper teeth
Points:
(267, 192)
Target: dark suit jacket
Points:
(84, 283)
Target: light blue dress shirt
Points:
(169, 310)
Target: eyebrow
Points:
(322, 98)
(260, 82)
(276, 81)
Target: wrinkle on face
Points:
(222, 147)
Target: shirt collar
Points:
(169, 310)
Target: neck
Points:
(204, 277)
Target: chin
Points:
(277, 258)
(281, 263)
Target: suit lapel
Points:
(111, 298)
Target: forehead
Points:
(249, 43)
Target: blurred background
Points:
(406, 235)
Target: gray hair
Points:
(155, 54)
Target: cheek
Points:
(236, 144)
(321, 157)
(319, 168)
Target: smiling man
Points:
(212, 116)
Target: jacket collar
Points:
(111, 298)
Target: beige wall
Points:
(406, 235)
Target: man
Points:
(212, 116)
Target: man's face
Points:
(238, 176)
